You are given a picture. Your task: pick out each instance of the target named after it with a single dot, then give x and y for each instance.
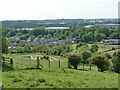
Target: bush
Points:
(74, 59)
(108, 55)
(101, 61)
(116, 62)
(113, 48)
(81, 44)
(94, 48)
(46, 57)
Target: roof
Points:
(56, 28)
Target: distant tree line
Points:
(87, 35)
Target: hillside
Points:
(59, 78)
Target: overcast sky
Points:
(57, 9)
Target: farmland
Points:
(59, 78)
(25, 75)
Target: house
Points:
(111, 42)
(14, 38)
(57, 28)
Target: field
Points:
(26, 75)
(59, 78)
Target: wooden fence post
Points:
(59, 63)
(11, 62)
(3, 60)
(90, 66)
(38, 62)
(49, 63)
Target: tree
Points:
(4, 45)
(94, 48)
(116, 61)
(87, 38)
(99, 37)
(74, 59)
(27, 49)
(11, 33)
(115, 36)
(86, 55)
(101, 61)
(19, 49)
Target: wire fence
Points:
(36, 62)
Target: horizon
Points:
(60, 19)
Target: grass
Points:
(59, 78)
(22, 61)
(74, 47)
(111, 52)
(25, 75)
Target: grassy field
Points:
(59, 78)
(22, 61)
(54, 77)
(26, 75)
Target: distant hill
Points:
(56, 22)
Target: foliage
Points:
(46, 57)
(86, 55)
(116, 61)
(80, 44)
(74, 59)
(88, 35)
(4, 45)
(19, 49)
(58, 78)
(94, 48)
(101, 61)
(99, 37)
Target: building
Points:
(107, 25)
(57, 28)
(112, 42)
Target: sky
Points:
(57, 9)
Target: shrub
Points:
(74, 59)
(41, 80)
(116, 61)
(46, 57)
(94, 48)
(101, 61)
(113, 48)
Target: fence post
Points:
(3, 60)
(49, 63)
(38, 62)
(59, 63)
(90, 66)
(11, 62)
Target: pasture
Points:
(59, 78)
(25, 75)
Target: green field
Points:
(26, 76)
(59, 78)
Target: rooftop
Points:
(56, 28)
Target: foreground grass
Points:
(59, 78)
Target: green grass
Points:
(25, 74)
(74, 47)
(22, 61)
(111, 52)
(59, 78)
